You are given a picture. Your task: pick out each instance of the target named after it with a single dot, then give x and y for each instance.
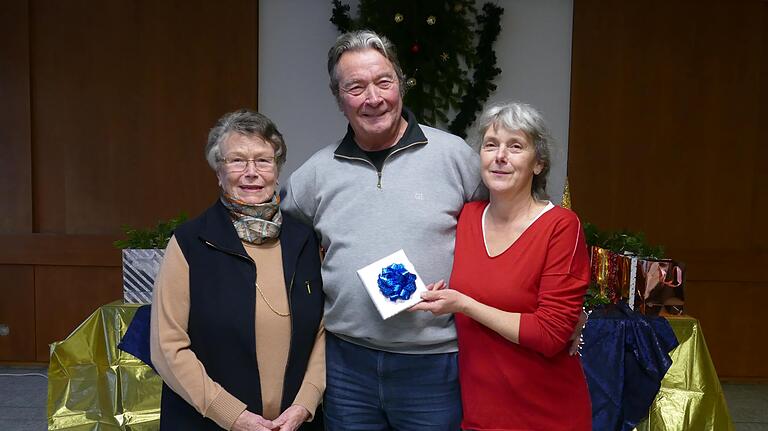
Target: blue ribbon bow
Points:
(395, 282)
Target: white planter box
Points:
(140, 267)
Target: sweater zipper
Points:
(403, 148)
(378, 172)
(230, 252)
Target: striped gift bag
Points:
(140, 267)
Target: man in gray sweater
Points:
(389, 184)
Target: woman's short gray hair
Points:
(519, 116)
(357, 41)
(249, 123)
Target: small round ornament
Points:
(399, 18)
(431, 20)
(415, 48)
(410, 82)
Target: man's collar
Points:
(413, 134)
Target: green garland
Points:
(150, 238)
(485, 71)
(621, 242)
(434, 41)
(594, 297)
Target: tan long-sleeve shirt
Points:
(186, 375)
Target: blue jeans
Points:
(372, 390)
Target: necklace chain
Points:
(266, 301)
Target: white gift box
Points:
(370, 276)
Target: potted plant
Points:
(143, 251)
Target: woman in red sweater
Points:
(520, 272)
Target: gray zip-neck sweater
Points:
(362, 215)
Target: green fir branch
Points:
(150, 238)
(595, 297)
(485, 71)
(340, 16)
(622, 242)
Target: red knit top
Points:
(534, 385)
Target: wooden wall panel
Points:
(17, 301)
(65, 296)
(124, 93)
(668, 137)
(104, 114)
(734, 328)
(58, 249)
(15, 144)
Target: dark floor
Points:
(23, 400)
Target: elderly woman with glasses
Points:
(520, 272)
(236, 331)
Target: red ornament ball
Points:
(415, 48)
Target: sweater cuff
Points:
(225, 409)
(525, 337)
(309, 397)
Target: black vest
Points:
(222, 312)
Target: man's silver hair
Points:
(357, 41)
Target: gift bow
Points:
(395, 282)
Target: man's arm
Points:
(298, 200)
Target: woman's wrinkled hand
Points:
(292, 418)
(438, 300)
(248, 421)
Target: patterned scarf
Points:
(255, 224)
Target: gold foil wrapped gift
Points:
(690, 397)
(92, 385)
